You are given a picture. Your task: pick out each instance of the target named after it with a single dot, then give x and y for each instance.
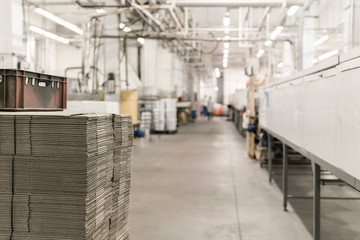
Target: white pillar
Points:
(149, 67)
(112, 49)
(288, 59)
(352, 25)
(308, 42)
(11, 33)
(308, 37)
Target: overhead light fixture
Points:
(225, 64)
(227, 31)
(226, 51)
(226, 45)
(292, 10)
(227, 37)
(280, 65)
(49, 34)
(100, 11)
(58, 20)
(268, 43)
(260, 53)
(321, 40)
(216, 89)
(315, 60)
(225, 59)
(121, 25)
(126, 29)
(328, 54)
(141, 40)
(276, 32)
(217, 72)
(226, 19)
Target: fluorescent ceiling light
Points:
(260, 53)
(321, 40)
(227, 37)
(226, 51)
(141, 40)
(225, 64)
(268, 43)
(280, 65)
(226, 20)
(226, 45)
(292, 10)
(58, 20)
(217, 72)
(100, 11)
(49, 35)
(121, 25)
(227, 31)
(314, 61)
(127, 29)
(276, 32)
(328, 54)
(216, 89)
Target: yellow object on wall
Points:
(129, 104)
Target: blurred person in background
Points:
(204, 109)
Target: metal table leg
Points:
(285, 176)
(269, 158)
(316, 203)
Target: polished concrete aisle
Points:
(199, 184)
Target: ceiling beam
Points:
(238, 3)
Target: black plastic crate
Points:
(25, 90)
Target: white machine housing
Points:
(318, 110)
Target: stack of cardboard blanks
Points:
(123, 132)
(5, 196)
(57, 176)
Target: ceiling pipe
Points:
(94, 5)
(84, 5)
(232, 3)
(267, 11)
(223, 29)
(141, 15)
(172, 38)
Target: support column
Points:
(354, 33)
(308, 41)
(316, 202)
(12, 50)
(269, 157)
(285, 176)
(149, 67)
(288, 59)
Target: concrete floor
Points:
(200, 184)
